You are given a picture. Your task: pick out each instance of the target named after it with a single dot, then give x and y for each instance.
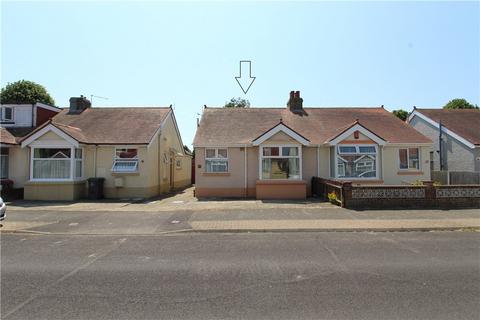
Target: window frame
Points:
(72, 159)
(280, 156)
(118, 160)
(5, 157)
(357, 149)
(408, 168)
(4, 119)
(216, 158)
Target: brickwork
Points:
(391, 197)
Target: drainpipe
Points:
(246, 182)
(318, 161)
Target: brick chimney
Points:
(78, 104)
(295, 103)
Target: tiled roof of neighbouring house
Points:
(13, 135)
(464, 122)
(112, 125)
(225, 126)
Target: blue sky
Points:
(398, 54)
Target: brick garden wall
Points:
(401, 197)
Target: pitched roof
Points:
(13, 135)
(464, 122)
(116, 125)
(225, 126)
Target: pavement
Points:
(367, 275)
(181, 212)
(235, 220)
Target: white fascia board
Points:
(444, 129)
(280, 127)
(362, 130)
(53, 129)
(48, 107)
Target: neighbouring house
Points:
(455, 134)
(137, 150)
(272, 153)
(17, 121)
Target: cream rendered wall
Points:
(170, 145)
(324, 158)
(236, 170)
(51, 136)
(309, 165)
(391, 166)
(18, 165)
(281, 138)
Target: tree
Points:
(402, 114)
(237, 103)
(25, 91)
(459, 104)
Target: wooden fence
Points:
(456, 177)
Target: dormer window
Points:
(7, 114)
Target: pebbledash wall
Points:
(380, 197)
(152, 178)
(316, 162)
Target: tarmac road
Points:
(406, 275)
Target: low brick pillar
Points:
(430, 193)
(346, 193)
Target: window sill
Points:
(410, 173)
(216, 174)
(127, 173)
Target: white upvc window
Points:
(216, 160)
(281, 162)
(356, 162)
(56, 163)
(7, 113)
(125, 160)
(409, 159)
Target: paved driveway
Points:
(183, 200)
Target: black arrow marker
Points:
(245, 81)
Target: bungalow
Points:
(272, 153)
(459, 149)
(138, 151)
(16, 121)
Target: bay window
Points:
(216, 160)
(409, 158)
(56, 163)
(356, 161)
(280, 162)
(125, 160)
